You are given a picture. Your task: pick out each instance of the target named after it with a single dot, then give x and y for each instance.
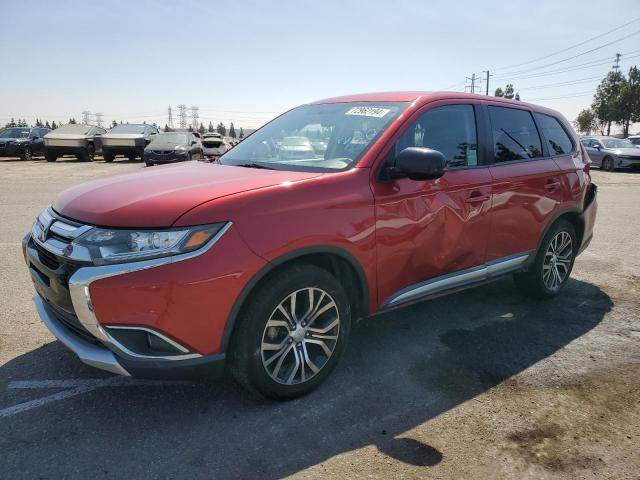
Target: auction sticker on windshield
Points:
(368, 111)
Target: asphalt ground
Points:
(481, 384)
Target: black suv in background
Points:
(23, 142)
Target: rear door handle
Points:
(477, 197)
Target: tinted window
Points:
(450, 129)
(514, 135)
(635, 141)
(558, 140)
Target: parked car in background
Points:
(214, 145)
(23, 142)
(610, 153)
(128, 140)
(170, 147)
(81, 141)
(635, 139)
(265, 261)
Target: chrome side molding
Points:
(489, 270)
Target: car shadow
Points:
(401, 369)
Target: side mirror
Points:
(418, 163)
(597, 147)
(193, 142)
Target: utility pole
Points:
(473, 79)
(85, 117)
(616, 67)
(99, 119)
(487, 85)
(182, 116)
(194, 117)
(170, 119)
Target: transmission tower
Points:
(85, 117)
(473, 80)
(182, 116)
(194, 117)
(170, 118)
(99, 119)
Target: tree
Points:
(241, 133)
(53, 125)
(607, 100)
(221, 129)
(113, 124)
(498, 92)
(47, 124)
(190, 128)
(630, 100)
(585, 122)
(508, 91)
(210, 127)
(201, 129)
(232, 131)
(12, 123)
(166, 128)
(517, 97)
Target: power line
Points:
(562, 84)
(574, 95)
(569, 48)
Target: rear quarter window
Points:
(558, 141)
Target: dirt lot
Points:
(481, 384)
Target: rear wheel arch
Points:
(574, 216)
(337, 261)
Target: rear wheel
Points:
(27, 154)
(50, 157)
(608, 165)
(148, 164)
(88, 154)
(291, 333)
(553, 264)
(107, 155)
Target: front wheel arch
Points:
(337, 261)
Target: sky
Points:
(248, 61)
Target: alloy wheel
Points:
(300, 336)
(27, 153)
(557, 261)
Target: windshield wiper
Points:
(252, 165)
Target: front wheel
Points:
(89, 154)
(27, 154)
(107, 155)
(50, 157)
(608, 164)
(291, 333)
(553, 263)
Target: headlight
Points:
(115, 245)
(181, 148)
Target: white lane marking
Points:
(73, 388)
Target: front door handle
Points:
(477, 197)
(551, 185)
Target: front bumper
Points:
(66, 304)
(625, 162)
(152, 157)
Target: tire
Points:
(279, 375)
(148, 164)
(50, 157)
(540, 280)
(107, 155)
(27, 153)
(607, 164)
(132, 158)
(88, 154)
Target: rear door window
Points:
(515, 136)
(559, 142)
(450, 129)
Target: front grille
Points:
(47, 258)
(162, 152)
(72, 323)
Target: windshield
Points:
(73, 128)
(15, 133)
(617, 143)
(326, 137)
(170, 138)
(128, 129)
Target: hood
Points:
(164, 145)
(123, 135)
(632, 151)
(66, 136)
(158, 196)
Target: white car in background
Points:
(214, 145)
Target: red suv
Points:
(263, 260)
